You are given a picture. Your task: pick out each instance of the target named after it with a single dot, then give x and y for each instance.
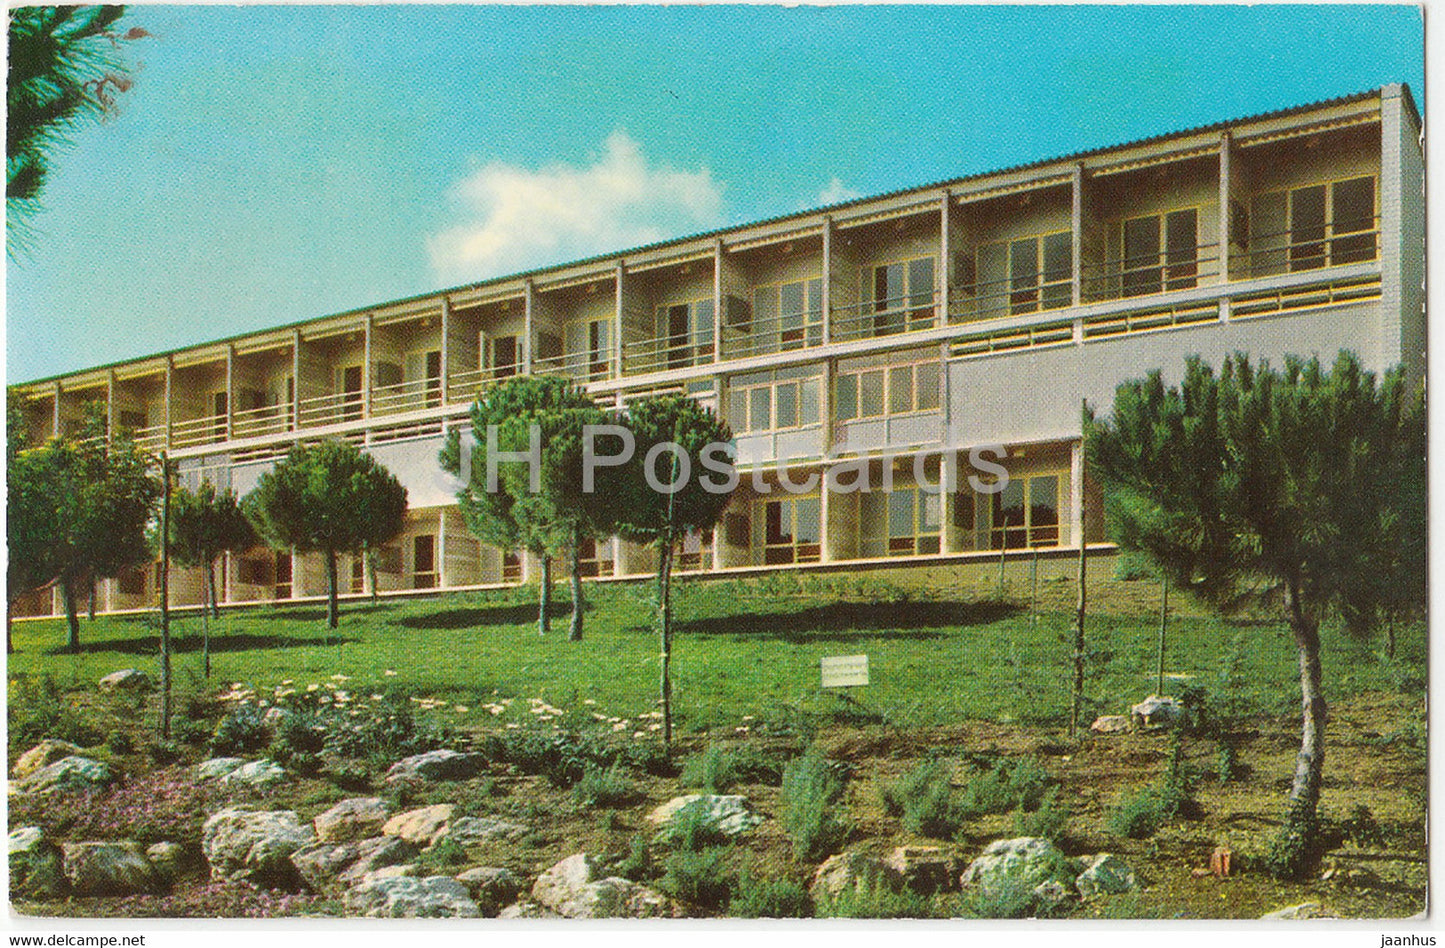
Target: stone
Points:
(1303, 910)
(527, 910)
(924, 869)
(36, 866)
(72, 773)
(171, 860)
(328, 865)
(1050, 895)
(1112, 724)
(258, 773)
(1157, 712)
(386, 872)
(217, 767)
(110, 869)
(353, 819)
(727, 814)
(41, 755)
(475, 830)
(437, 765)
(853, 871)
(127, 679)
(410, 897)
(1008, 864)
(255, 845)
(491, 888)
(422, 826)
(1105, 874)
(572, 889)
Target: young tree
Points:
(558, 517)
(31, 515)
(328, 498)
(204, 524)
(666, 492)
(1279, 477)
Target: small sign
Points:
(845, 671)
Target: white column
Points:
(366, 369)
(170, 413)
(827, 280)
(617, 325)
(945, 254)
(527, 329)
(1076, 492)
(230, 391)
(1077, 223)
(109, 427)
(717, 300)
(441, 547)
(1225, 147)
(55, 412)
(446, 350)
(295, 388)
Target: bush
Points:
(300, 739)
(1046, 821)
(38, 710)
(1141, 815)
(610, 787)
(1293, 851)
(769, 898)
(868, 901)
(385, 729)
(638, 864)
(188, 730)
(700, 877)
(1362, 828)
(1227, 762)
(442, 858)
(1007, 785)
(812, 791)
(691, 829)
(243, 731)
(119, 742)
(924, 799)
(714, 770)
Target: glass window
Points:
(1024, 275)
(846, 394)
(870, 394)
(785, 405)
(1058, 287)
(1142, 275)
(1353, 212)
(759, 416)
(900, 513)
(900, 389)
(1043, 510)
(809, 519)
(1307, 228)
(777, 531)
(1181, 241)
(929, 385)
(738, 410)
(920, 283)
(809, 403)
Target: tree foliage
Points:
(1304, 482)
(327, 498)
(204, 524)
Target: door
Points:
(351, 388)
(221, 405)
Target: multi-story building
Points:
(918, 324)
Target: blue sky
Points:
(273, 164)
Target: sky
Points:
(274, 164)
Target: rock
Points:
(387, 872)
(924, 869)
(423, 826)
(853, 871)
(1112, 724)
(68, 774)
(1156, 711)
(217, 767)
(326, 865)
(475, 830)
(258, 773)
(437, 765)
(1050, 895)
(36, 867)
(41, 755)
(728, 814)
(1009, 864)
(1303, 910)
(127, 679)
(409, 897)
(274, 716)
(572, 890)
(527, 910)
(255, 845)
(109, 868)
(353, 819)
(171, 860)
(1106, 873)
(491, 888)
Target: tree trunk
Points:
(331, 589)
(211, 592)
(67, 592)
(90, 608)
(544, 597)
(9, 614)
(574, 633)
(1309, 770)
(664, 623)
(370, 555)
(1163, 625)
(1389, 636)
(1077, 705)
(165, 596)
(206, 618)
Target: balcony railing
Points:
(1299, 249)
(255, 422)
(321, 410)
(659, 353)
(152, 438)
(470, 385)
(993, 299)
(584, 366)
(406, 396)
(195, 431)
(913, 312)
(769, 334)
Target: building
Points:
(918, 324)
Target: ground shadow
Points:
(220, 644)
(446, 619)
(855, 621)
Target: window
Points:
(685, 331)
(358, 573)
(283, 576)
(1026, 275)
(1026, 513)
(787, 316)
(254, 572)
(792, 530)
(1160, 252)
(901, 296)
(424, 376)
(503, 359)
(900, 389)
(906, 521)
(589, 349)
(1319, 225)
(696, 551)
(131, 582)
(511, 567)
(423, 562)
(771, 401)
(594, 558)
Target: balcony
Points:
(888, 316)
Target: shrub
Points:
(189, 730)
(300, 739)
(769, 898)
(700, 877)
(924, 799)
(1014, 898)
(610, 787)
(812, 792)
(1293, 851)
(243, 731)
(1142, 814)
(868, 901)
(638, 864)
(119, 742)
(1362, 828)
(1046, 821)
(1227, 762)
(442, 858)
(714, 770)
(385, 729)
(38, 710)
(692, 830)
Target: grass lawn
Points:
(743, 651)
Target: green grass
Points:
(744, 653)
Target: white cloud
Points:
(836, 193)
(516, 218)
